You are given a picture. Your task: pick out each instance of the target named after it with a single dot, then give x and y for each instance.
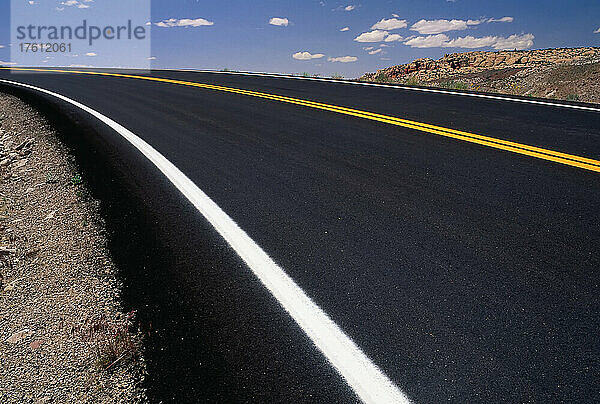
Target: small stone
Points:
(36, 344)
(24, 144)
(19, 336)
(21, 163)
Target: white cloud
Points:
(280, 22)
(470, 42)
(91, 54)
(349, 8)
(431, 41)
(392, 23)
(69, 3)
(80, 66)
(307, 56)
(503, 19)
(597, 31)
(376, 51)
(152, 58)
(7, 63)
(345, 29)
(343, 59)
(439, 26)
(368, 48)
(184, 22)
(393, 37)
(518, 42)
(31, 2)
(395, 15)
(429, 27)
(1, 46)
(372, 36)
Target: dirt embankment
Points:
(569, 74)
(63, 335)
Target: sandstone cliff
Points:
(572, 73)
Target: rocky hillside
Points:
(568, 73)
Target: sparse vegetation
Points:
(77, 180)
(337, 76)
(572, 97)
(306, 74)
(51, 178)
(383, 78)
(114, 341)
(413, 81)
(454, 85)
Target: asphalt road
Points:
(465, 273)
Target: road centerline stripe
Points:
(506, 145)
(361, 374)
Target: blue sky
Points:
(306, 36)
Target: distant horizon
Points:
(294, 74)
(333, 37)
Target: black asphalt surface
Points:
(466, 273)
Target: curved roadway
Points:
(466, 273)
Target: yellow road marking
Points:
(532, 151)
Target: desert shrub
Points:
(383, 78)
(413, 81)
(454, 85)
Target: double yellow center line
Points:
(545, 154)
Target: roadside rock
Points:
(473, 62)
(567, 73)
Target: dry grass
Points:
(114, 341)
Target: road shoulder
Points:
(59, 290)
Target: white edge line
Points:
(361, 374)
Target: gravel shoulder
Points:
(63, 334)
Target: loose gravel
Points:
(56, 275)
